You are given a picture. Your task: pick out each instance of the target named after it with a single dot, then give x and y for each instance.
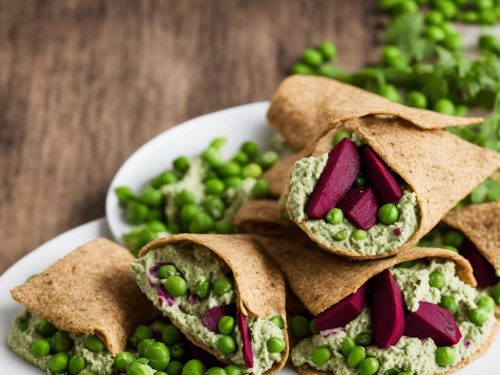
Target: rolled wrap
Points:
(92, 291)
(260, 286)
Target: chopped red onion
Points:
(331, 332)
(397, 231)
(163, 296)
(212, 316)
(245, 339)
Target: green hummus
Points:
(197, 264)
(409, 354)
(20, 343)
(381, 238)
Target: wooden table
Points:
(85, 83)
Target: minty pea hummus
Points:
(194, 288)
(330, 352)
(38, 342)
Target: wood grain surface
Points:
(85, 83)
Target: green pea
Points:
(252, 170)
(160, 373)
(453, 238)
(478, 316)
(388, 4)
(212, 157)
(156, 226)
(76, 364)
(278, 321)
(122, 360)
(328, 50)
(230, 169)
(224, 227)
(226, 325)
(40, 348)
(215, 371)
(445, 356)
(436, 280)
(45, 328)
(93, 343)
(388, 214)
(22, 325)
(143, 345)
(312, 57)
(233, 370)
(489, 43)
(61, 342)
(275, 345)
(360, 181)
(392, 371)
(313, 328)
(486, 302)
(449, 303)
(201, 223)
(268, 159)
(214, 206)
(260, 190)
(241, 158)
(164, 272)
(451, 248)
(158, 355)
(171, 335)
(447, 7)
(359, 234)
(461, 110)
(369, 366)
(356, 356)
(434, 17)
(138, 368)
(340, 235)
(321, 355)
(59, 363)
(233, 182)
(335, 216)
(175, 286)
(364, 339)
(484, 4)
(174, 368)
(150, 197)
(124, 195)
(251, 149)
(218, 142)
(445, 106)
(188, 212)
(470, 16)
(203, 289)
(181, 164)
(390, 92)
(209, 175)
(222, 285)
(214, 186)
(453, 41)
(416, 99)
(184, 197)
(165, 178)
(226, 345)
(495, 293)
(299, 325)
(347, 345)
(393, 56)
(406, 6)
(340, 135)
(407, 264)
(177, 351)
(435, 33)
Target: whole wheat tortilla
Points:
(91, 290)
(303, 107)
(481, 224)
(259, 283)
(438, 166)
(277, 175)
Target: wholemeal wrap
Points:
(223, 293)
(417, 311)
(88, 299)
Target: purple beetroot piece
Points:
(387, 310)
(483, 270)
(379, 176)
(212, 316)
(340, 314)
(435, 322)
(246, 346)
(360, 206)
(340, 172)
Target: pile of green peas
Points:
(354, 350)
(59, 346)
(147, 208)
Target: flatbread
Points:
(91, 290)
(438, 166)
(303, 107)
(277, 175)
(259, 283)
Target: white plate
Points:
(237, 124)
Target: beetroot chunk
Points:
(340, 172)
(212, 316)
(387, 310)
(360, 206)
(342, 313)
(379, 176)
(483, 270)
(435, 322)
(246, 345)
